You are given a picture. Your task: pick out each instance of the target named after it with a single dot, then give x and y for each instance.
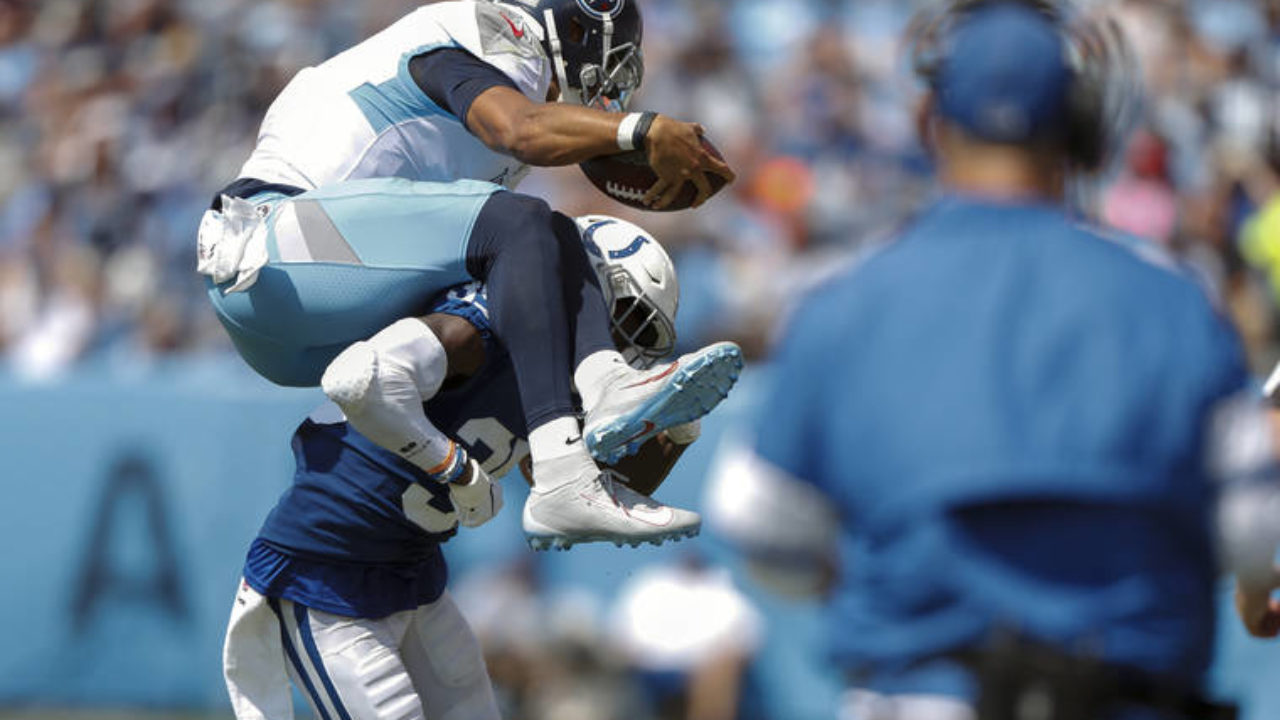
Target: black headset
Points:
(1104, 91)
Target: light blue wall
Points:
(208, 445)
(211, 449)
(190, 460)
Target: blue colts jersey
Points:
(484, 414)
(358, 533)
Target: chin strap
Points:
(603, 72)
(608, 45)
(557, 58)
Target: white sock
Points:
(558, 453)
(594, 374)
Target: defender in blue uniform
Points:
(999, 428)
(385, 175)
(344, 587)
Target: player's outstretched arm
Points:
(542, 134)
(553, 134)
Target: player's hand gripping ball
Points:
(627, 177)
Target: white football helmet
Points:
(639, 284)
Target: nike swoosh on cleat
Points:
(514, 30)
(665, 374)
(648, 428)
(659, 517)
(573, 440)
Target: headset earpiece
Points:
(1097, 116)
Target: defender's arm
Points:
(649, 467)
(381, 385)
(463, 345)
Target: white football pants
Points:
(422, 664)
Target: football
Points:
(627, 177)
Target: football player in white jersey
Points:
(344, 587)
(383, 176)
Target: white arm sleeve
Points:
(382, 384)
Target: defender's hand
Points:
(1259, 613)
(677, 156)
(685, 434)
(477, 498)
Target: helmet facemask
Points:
(643, 333)
(610, 86)
(638, 281)
(600, 72)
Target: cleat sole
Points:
(543, 543)
(692, 392)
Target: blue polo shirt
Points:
(1008, 411)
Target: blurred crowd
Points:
(676, 643)
(120, 118)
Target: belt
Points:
(1012, 670)
(245, 188)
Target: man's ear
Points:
(926, 128)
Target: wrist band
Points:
(640, 135)
(452, 467)
(627, 131)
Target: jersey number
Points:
(492, 445)
(496, 449)
(429, 511)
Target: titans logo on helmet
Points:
(602, 8)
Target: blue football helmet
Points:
(594, 46)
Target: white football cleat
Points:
(598, 508)
(640, 404)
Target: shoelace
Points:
(609, 481)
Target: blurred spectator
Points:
(546, 653)
(1142, 201)
(119, 117)
(689, 635)
(1260, 233)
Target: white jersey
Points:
(361, 115)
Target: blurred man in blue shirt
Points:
(1001, 424)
